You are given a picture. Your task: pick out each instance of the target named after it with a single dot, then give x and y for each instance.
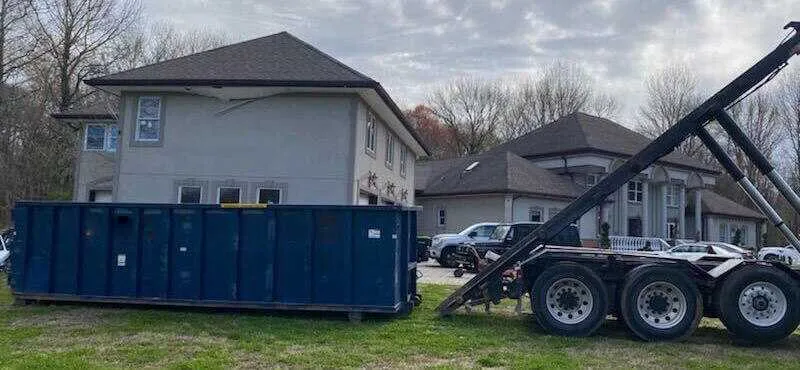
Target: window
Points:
(189, 194)
(389, 149)
(101, 137)
(552, 212)
(228, 195)
(723, 232)
(674, 195)
(484, 231)
(403, 160)
(100, 196)
(370, 139)
(591, 179)
(269, 196)
(635, 191)
(148, 119)
(535, 214)
(442, 217)
(744, 234)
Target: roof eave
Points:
(618, 154)
(759, 217)
(93, 116)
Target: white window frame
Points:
(180, 191)
(389, 160)
(139, 118)
(637, 191)
(371, 135)
(258, 194)
(672, 230)
(441, 217)
(219, 192)
(403, 160)
(108, 129)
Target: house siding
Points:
(297, 142)
(93, 169)
(461, 212)
(714, 223)
(366, 163)
(522, 205)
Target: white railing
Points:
(636, 243)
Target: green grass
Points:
(69, 336)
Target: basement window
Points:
(269, 196)
(228, 195)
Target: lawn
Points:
(69, 336)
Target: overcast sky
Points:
(413, 46)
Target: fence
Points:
(636, 243)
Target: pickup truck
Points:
(508, 234)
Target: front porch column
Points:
(663, 209)
(698, 222)
(682, 214)
(623, 210)
(645, 208)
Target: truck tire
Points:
(569, 299)
(660, 303)
(445, 259)
(758, 304)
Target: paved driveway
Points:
(432, 273)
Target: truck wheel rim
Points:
(569, 301)
(661, 305)
(762, 304)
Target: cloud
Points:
(413, 46)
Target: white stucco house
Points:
(536, 175)
(270, 120)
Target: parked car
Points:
(746, 253)
(697, 250)
(506, 235)
(787, 255)
(6, 237)
(443, 245)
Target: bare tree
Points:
(473, 110)
(560, 89)
(75, 34)
(671, 94)
(162, 41)
(789, 116)
(18, 46)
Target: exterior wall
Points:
(375, 163)
(522, 206)
(94, 170)
(461, 212)
(298, 143)
(715, 222)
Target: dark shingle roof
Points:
(96, 111)
(580, 132)
(279, 59)
(497, 173)
(716, 204)
(275, 60)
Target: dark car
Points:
(506, 235)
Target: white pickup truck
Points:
(444, 245)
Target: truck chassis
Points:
(572, 290)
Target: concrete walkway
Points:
(432, 273)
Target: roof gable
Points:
(496, 173)
(280, 58)
(581, 132)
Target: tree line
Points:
(47, 48)
(470, 115)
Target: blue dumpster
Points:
(327, 258)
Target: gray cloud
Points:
(413, 46)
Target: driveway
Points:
(432, 273)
